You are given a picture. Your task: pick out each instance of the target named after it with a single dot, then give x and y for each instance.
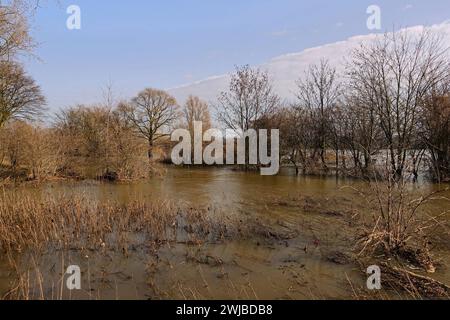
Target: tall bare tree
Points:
(14, 29)
(250, 97)
(393, 76)
(318, 92)
(196, 109)
(362, 134)
(435, 133)
(151, 112)
(20, 96)
(295, 131)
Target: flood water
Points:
(296, 268)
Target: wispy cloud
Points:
(408, 6)
(286, 69)
(279, 33)
(340, 24)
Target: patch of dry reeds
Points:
(79, 223)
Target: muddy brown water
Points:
(296, 268)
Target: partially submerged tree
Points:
(392, 77)
(97, 142)
(435, 133)
(249, 103)
(151, 112)
(361, 133)
(318, 93)
(20, 96)
(295, 131)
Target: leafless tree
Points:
(250, 97)
(196, 110)
(318, 92)
(361, 133)
(295, 131)
(151, 112)
(392, 77)
(20, 96)
(97, 142)
(14, 29)
(435, 133)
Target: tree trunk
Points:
(150, 150)
(337, 161)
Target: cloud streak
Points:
(286, 69)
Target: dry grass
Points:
(415, 285)
(74, 223)
(80, 223)
(31, 229)
(398, 236)
(399, 283)
(400, 224)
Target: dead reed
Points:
(32, 228)
(401, 223)
(79, 223)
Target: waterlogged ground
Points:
(302, 254)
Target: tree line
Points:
(390, 109)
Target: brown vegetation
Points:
(81, 224)
(399, 236)
(387, 117)
(97, 142)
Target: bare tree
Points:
(196, 110)
(150, 112)
(250, 97)
(435, 133)
(97, 142)
(393, 76)
(318, 92)
(20, 96)
(14, 29)
(295, 131)
(361, 134)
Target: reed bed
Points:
(32, 229)
(79, 223)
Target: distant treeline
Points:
(389, 110)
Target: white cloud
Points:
(285, 70)
(408, 6)
(280, 33)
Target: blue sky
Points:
(145, 43)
